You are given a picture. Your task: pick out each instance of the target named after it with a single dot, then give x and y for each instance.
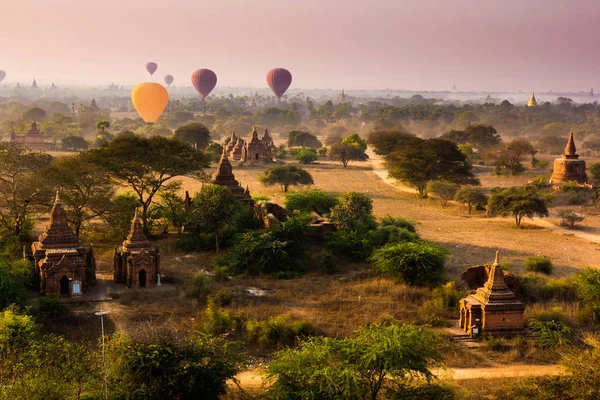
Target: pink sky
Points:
(397, 44)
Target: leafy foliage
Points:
(353, 368)
(538, 264)
(443, 189)
(524, 201)
(303, 139)
(472, 197)
(286, 176)
(352, 208)
(310, 200)
(306, 156)
(278, 331)
(414, 263)
(194, 134)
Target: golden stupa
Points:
(532, 101)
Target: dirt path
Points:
(252, 379)
(381, 172)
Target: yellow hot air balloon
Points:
(150, 100)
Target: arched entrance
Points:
(257, 156)
(142, 278)
(64, 286)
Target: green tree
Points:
(171, 206)
(355, 140)
(85, 189)
(311, 200)
(34, 114)
(595, 172)
(482, 136)
(286, 176)
(22, 189)
(346, 153)
(120, 214)
(443, 189)
(420, 161)
(213, 208)
(74, 143)
(14, 277)
(353, 368)
(146, 164)
(214, 151)
(388, 141)
(102, 126)
(303, 139)
(413, 263)
(170, 368)
(471, 196)
(306, 156)
(352, 208)
(508, 157)
(524, 201)
(194, 134)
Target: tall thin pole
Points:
(104, 357)
(101, 314)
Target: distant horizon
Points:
(414, 45)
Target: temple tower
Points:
(569, 167)
(225, 177)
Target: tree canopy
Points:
(194, 134)
(146, 164)
(525, 201)
(286, 176)
(421, 161)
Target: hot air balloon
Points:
(204, 81)
(151, 67)
(169, 79)
(150, 100)
(2, 75)
(279, 80)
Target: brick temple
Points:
(492, 309)
(136, 263)
(65, 266)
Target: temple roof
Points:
(570, 149)
(254, 136)
(532, 101)
(58, 234)
(494, 292)
(136, 240)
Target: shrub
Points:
(52, 307)
(202, 286)
(350, 244)
(267, 251)
(303, 139)
(306, 156)
(217, 322)
(353, 208)
(443, 189)
(588, 286)
(310, 200)
(277, 332)
(494, 343)
(14, 278)
(428, 391)
(414, 263)
(388, 220)
(550, 334)
(538, 264)
(569, 218)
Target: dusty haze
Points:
(412, 44)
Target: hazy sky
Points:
(352, 44)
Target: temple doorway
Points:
(64, 286)
(142, 278)
(257, 156)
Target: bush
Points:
(52, 307)
(550, 334)
(310, 200)
(350, 244)
(267, 251)
(353, 208)
(323, 261)
(538, 264)
(443, 189)
(428, 391)
(277, 332)
(14, 278)
(303, 139)
(588, 286)
(306, 156)
(569, 218)
(202, 286)
(217, 322)
(414, 263)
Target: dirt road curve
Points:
(376, 164)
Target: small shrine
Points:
(136, 263)
(225, 177)
(492, 309)
(342, 98)
(569, 167)
(258, 149)
(64, 265)
(33, 139)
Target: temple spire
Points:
(497, 259)
(532, 101)
(570, 149)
